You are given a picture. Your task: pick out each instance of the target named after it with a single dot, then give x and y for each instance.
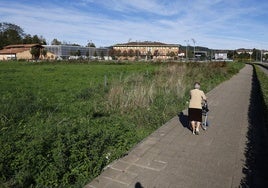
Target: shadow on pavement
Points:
(184, 120)
(138, 185)
(256, 164)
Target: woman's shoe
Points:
(197, 131)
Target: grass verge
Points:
(263, 79)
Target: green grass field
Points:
(61, 124)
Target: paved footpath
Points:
(173, 157)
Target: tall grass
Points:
(140, 90)
(60, 125)
(263, 79)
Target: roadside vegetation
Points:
(263, 80)
(61, 124)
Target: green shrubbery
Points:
(263, 79)
(60, 125)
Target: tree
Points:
(55, 42)
(118, 53)
(149, 55)
(125, 54)
(13, 37)
(243, 56)
(156, 53)
(256, 55)
(73, 53)
(172, 54)
(10, 34)
(137, 53)
(44, 52)
(231, 54)
(91, 44)
(5, 26)
(35, 39)
(265, 57)
(78, 53)
(35, 51)
(28, 39)
(102, 55)
(13, 34)
(112, 53)
(131, 53)
(95, 54)
(42, 40)
(190, 53)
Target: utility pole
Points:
(261, 55)
(187, 41)
(194, 47)
(250, 53)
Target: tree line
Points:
(14, 34)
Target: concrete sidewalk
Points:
(173, 157)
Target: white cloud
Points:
(210, 23)
(158, 7)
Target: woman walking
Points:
(195, 107)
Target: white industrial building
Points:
(67, 51)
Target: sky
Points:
(216, 24)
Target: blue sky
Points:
(218, 24)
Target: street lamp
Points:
(138, 50)
(261, 55)
(194, 47)
(187, 41)
(250, 54)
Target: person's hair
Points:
(197, 85)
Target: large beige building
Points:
(146, 50)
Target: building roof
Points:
(221, 51)
(17, 48)
(145, 43)
(22, 46)
(243, 50)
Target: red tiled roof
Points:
(13, 50)
(22, 46)
(146, 43)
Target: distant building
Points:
(102, 53)
(199, 54)
(181, 54)
(146, 50)
(243, 50)
(18, 51)
(221, 55)
(69, 51)
(265, 52)
(65, 51)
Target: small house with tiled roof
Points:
(18, 51)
